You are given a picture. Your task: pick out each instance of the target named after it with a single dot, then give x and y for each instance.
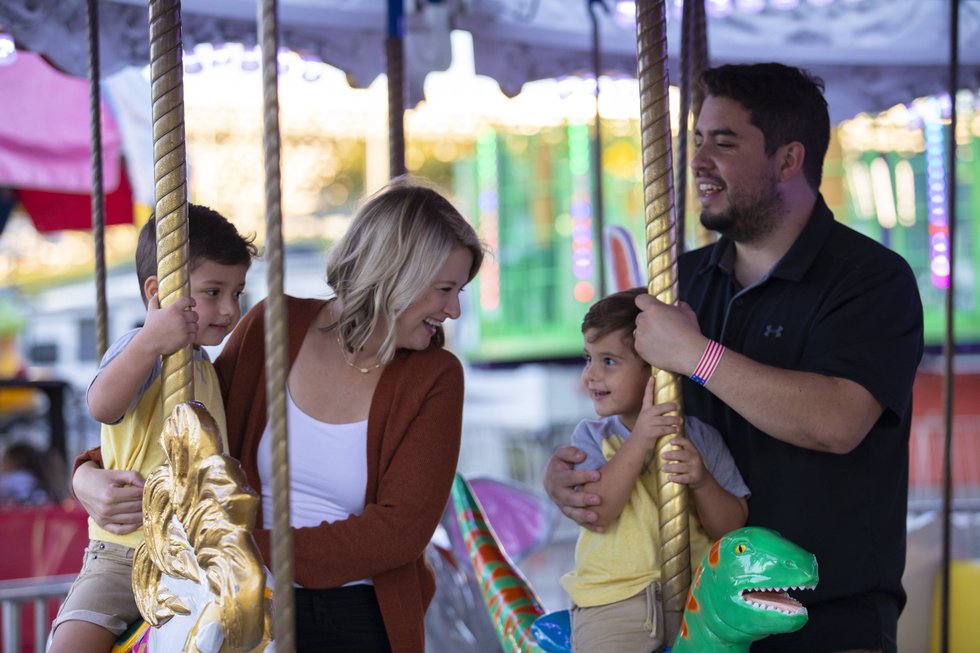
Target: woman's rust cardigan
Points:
(413, 440)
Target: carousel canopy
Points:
(872, 53)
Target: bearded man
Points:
(801, 339)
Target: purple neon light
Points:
(935, 138)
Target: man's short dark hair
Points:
(211, 237)
(612, 313)
(785, 103)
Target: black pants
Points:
(341, 620)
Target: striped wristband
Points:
(709, 361)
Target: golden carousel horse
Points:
(198, 576)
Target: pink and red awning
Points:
(45, 147)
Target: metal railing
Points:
(37, 591)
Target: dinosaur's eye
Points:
(740, 549)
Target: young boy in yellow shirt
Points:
(126, 397)
(615, 586)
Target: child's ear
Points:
(150, 286)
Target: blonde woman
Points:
(374, 417)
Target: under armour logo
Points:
(775, 332)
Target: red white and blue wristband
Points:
(709, 361)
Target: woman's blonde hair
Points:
(389, 257)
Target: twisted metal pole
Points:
(694, 60)
(687, 36)
(598, 210)
(98, 186)
(698, 63)
(284, 616)
(658, 195)
(395, 63)
(949, 336)
(699, 60)
(170, 177)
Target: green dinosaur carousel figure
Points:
(738, 596)
(740, 592)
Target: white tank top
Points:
(327, 470)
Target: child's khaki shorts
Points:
(103, 592)
(633, 625)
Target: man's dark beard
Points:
(748, 219)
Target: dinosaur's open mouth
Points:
(776, 599)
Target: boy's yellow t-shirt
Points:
(133, 443)
(624, 559)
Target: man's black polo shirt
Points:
(839, 304)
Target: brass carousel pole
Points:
(694, 59)
(284, 617)
(598, 212)
(395, 63)
(699, 62)
(658, 195)
(98, 188)
(949, 339)
(170, 184)
(683, 123)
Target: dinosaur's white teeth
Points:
(786, 588)
(773, 599)
(776, 608)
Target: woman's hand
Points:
(563, 483)
(113, 498)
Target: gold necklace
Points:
(362, 370)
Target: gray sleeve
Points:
(716, 456)
(114, 350)
(588, 438)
